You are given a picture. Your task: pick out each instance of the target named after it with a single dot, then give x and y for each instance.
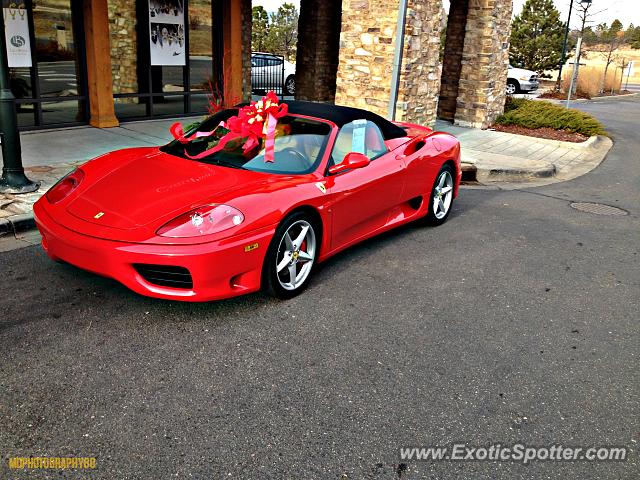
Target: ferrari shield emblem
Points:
(98, 215)
(321, 187)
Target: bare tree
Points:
(612, 38)
(585, 14)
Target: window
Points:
(361, 136)
(258, 62)
(142, 90)
(51, 91)
(273, 62)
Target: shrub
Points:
(512, 103)
(536, 114)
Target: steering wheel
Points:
(295, 153)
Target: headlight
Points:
(65, 186)
(204, 220)
(525, 78)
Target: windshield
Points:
(299, 145)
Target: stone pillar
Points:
(483, 76)
(99, 76)
(317, 51)
(420, 73)
(366, 54)
(452, 59)
(367, 43)
(247, 20)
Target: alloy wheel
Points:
(290, 86)
(296, 254)
(443, 195)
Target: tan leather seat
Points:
(343, 145)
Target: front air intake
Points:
(165, 275)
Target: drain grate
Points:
(598, 208)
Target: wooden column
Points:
(99, 76)
(232, 51)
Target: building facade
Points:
(103, 62)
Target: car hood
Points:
(521, 72)
(153, 186)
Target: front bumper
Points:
(219, 269)
(529, 86)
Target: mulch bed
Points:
(580, 95)
(545, 132)
(563, 96)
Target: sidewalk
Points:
(505, 157)
(48, 155)
(489, 156)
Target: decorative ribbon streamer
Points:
(270, 138)
(178, 133)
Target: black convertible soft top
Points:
(341, 115)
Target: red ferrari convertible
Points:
(188, 222)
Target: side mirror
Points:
(351, 161)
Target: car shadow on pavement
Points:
(31, 278)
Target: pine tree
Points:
(537, 35)
(283, 31)
(259, 28)
(634, 38)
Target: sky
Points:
(627, 11)
(272, 5)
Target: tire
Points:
(437, 213)
(290, 85)
(513, 87)
(284, 256)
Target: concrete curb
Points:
(16, 224)
(487, 171)
(594, 99)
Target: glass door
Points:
(51, 92)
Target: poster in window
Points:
(16, 30)
(166, 32)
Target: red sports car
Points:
(185, 222)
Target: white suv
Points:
(520, 80)
(272, 72)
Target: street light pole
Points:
(563, 58)
(13, 178)
(574, 77)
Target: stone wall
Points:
(475, 62)
(317, 50)
(366, 54)
(483, 76)
(419, 84)
(367, 44)
(246, 49)
(124, 45)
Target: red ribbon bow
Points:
(253, 122)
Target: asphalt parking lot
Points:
(515, 322)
